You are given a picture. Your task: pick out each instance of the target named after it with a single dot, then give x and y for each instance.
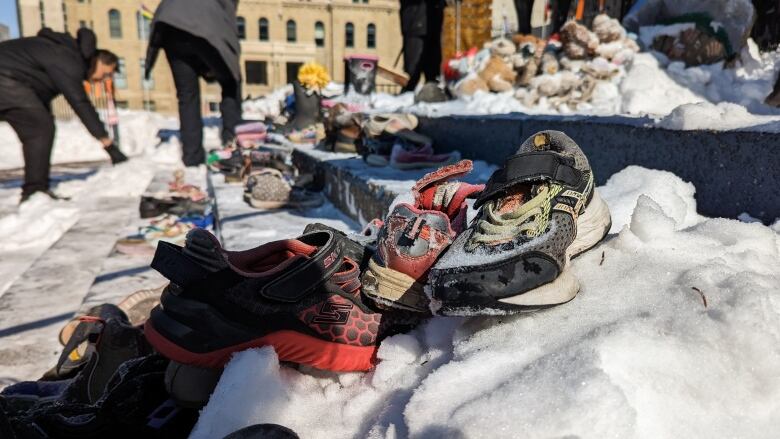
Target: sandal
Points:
(268, 189)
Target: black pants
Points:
(559, 8)
(191, 58)
(422, 56)
(34, 124)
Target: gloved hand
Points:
(116, 154)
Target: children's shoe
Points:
(301, 296)
(414, 236)
(268, 189)
(414, 151)
(537, 212)
(167, 228)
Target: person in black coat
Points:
(35, 70)
(200, 38)
(421, 23)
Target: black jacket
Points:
(53, 63)
(211, 20)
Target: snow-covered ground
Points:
(675, 333)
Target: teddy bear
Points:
(578, 42)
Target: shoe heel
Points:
(592, 226)
(386, 286)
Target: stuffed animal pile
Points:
(563, 73)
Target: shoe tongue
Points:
(514, 198)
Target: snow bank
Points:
(638, 354)
(73, 143)
(723, 116)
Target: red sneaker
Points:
(414, 235)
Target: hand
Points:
(116, 154)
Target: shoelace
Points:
(502, 227)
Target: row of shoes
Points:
(326, 300)
(387, 139)
(171, 214)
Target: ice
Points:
(636, 354)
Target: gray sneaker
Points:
(537, 211)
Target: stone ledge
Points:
(733, 171)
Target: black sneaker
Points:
(302, 296)
(538, 211)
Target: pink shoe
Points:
(423, 157)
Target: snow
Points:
(637, 354)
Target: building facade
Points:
(5, 32)
(277, 37)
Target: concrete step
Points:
(364, 192)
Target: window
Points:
(365, 1)
(213, 107)
(262, 24)
(143, 24)
(256, 72)
(371, 36)
(241, 28)
(319, 34)
(120, 76)
(115, 23)
(145, 84)
(355, 1)
(349, 35)
(82, 24)
(150, 105)
(292, 71)
(124, 105)
(291, 31)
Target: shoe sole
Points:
(389, 287)
(139, 305)
(592, 227)
(162, 331)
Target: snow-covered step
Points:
(365, 192)
(243, 227)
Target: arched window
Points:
(292, 31)
(115, 23)
(371, 36)
(262, 24)
(319, 34)
(349, 35)
(241, 23)
(143, 24)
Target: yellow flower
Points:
(313, 76)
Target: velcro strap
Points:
(531, 166)
(170, 261)
(303, 278)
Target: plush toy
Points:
(607, 29)
(502, 47)
(550, 63)
(578, 42)
(528, 57)
(498, 74)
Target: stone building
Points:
(277, 36)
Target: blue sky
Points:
(8, 16)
